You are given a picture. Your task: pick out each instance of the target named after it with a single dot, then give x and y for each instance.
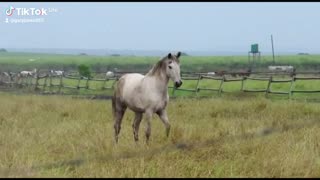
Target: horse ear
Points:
(169, 55)
(178, 54)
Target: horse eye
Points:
(170, 67)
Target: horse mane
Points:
(160, 66)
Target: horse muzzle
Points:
(177, 84)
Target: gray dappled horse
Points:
(146, 95)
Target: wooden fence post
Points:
(87, 83)
(45, 83)
(37, 82)
(50, 82)
(10, 85)
(31, 79)
(60, 84)
(268, 88)
(197, 87)
(221, 85)
(292, 86)
(28, 80)
(244, 78)
(78, 86)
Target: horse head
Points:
(173, 69)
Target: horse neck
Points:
(161, 78)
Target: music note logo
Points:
(9, 11)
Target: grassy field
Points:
(54, 136)
(23, 61)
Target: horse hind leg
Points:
(118, 112)
(136, 125)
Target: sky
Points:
(185, 26)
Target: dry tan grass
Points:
(63, 137)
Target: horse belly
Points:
(140, 101)
(160, 105)
(134, 101)
(154, 102)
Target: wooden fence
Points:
(270, 80)
(47, 86)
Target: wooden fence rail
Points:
(48, 85)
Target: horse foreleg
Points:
(164, 118)
(136, 125)
(148, 125)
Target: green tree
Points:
(84, 71)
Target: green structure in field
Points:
(254, 52)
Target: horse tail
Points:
(117, 104)
(114, 99)
(114, 103)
